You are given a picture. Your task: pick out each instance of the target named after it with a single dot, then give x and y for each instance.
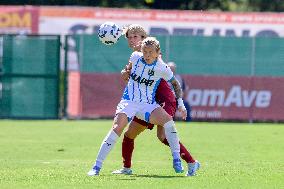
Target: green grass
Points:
(58, 154)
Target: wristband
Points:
(180, 103)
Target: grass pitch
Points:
(58, 154)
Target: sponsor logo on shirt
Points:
(141, 80)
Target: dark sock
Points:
(127, 149)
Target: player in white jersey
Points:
(138, 99)
(135, 34)
(145, 78)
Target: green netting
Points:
(30, 76)
(93, 56)
(29, 98)
(193, 55)
(269, 57)
(31, 55)
(211, 56)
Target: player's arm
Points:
(177, 87)
(125, 73)
(179, 93)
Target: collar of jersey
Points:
(144, 62)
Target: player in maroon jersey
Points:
(165, 97)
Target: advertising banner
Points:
(100, 94)
(69, 20)
(210, 97)
(235, 98)
(82, 20)
(19, 19)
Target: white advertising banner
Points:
(69, 20)
(82, 20)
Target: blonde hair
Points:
(151, 41)
(135, 28)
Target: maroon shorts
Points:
(166, 99)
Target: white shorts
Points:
(138, 109)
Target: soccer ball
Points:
(109, 33)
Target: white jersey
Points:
(145, 78)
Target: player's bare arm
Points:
(177, 88)
(178, 93)
(125, 73)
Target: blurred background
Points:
(230, 55)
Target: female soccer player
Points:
(139, 99)
(164, 96)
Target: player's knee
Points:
(131, 135)
(166, 119)
(134, 130)
(118, 128)
(119, 123)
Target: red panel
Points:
(211, 97)
(244, 98)
(100, 94)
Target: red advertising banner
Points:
(211, 97)
(236, 98)
(100, 94)
(22, 19)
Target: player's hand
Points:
(125, 73)
(182, 109)
(183, 112)
(128, 67)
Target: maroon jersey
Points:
(166, 98)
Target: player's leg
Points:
(160, 117)
(131, 133)
(184, 153)
(119, 123)
(193, 165)
(161, 133)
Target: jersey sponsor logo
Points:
(141, 80)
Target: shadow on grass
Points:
(157, 176)
(127, 179)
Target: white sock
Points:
(172, 137)
(106, 146)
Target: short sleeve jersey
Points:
(145, 78)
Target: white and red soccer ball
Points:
(109, 33)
